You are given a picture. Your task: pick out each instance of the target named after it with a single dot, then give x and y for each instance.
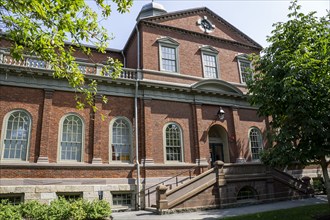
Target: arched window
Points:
(16, 137)
(247, 193)
(121, 143)
(255, 140)
(173, 143)
(71, 142)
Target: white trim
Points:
(181, 142)
(261, 143)
(210, 51)
(4, 133)
(60, 139)
(239, 60)
(216, 58)
(205, 30)
(169, 43)
(130, 139)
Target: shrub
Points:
(59, 209)
(34, 210)
(98, 209)
(9, 211)
(78, 209)
(319, 186)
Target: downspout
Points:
(136, 119)
(123, 54)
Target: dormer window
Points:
(244, 66)
(210, 62)
(168, 54)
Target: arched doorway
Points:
(218, 144)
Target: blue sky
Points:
(254, 18)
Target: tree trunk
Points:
(324, 166)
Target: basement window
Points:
(70, 196)
(247, 193)
(13, 198)
(122, 199)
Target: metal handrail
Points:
(162, 182)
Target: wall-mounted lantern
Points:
(100, 193)
(221, 114)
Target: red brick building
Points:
(179, 105)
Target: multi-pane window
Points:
(71, 139)
(13, 198)
(210, 66)
(169, 59)
(16, 139)
(70, 196)
(255, 139)
(173, 143)
(244, 67)
(121, 140)
(122, 199)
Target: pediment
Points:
(190, 20)
(208, 48)
(216, 86)
(167, 40)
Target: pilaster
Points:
(236, 123)
(148, 132)
(45, 127)
(97, 131)
(202, 151)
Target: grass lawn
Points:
(299, 213)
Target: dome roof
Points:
(151, 9)
(152, 6)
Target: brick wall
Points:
(31, 100)
(189, 53)
(189, 22)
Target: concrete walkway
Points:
(218, 213)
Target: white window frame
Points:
(111, 140)
(122, 194)
(169, 43)
(243, 58)
(4, 134)
(260, 143)
(165, 145)
(60, 139)
(210, 51)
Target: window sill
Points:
(172, 164)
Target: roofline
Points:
(236, 29)
(213, 14)
(175, 12)
(133, 32)
(203, 35)
(95, 47)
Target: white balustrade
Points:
(85, 68)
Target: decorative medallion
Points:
(205, 25)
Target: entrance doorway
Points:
(218, 144)
(216, 152)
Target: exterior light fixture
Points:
(100, 193)
(221, 114)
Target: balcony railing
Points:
(37, 64)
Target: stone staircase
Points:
(221, 185)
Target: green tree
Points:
(292, 87)
(44, 28)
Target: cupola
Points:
(151, 9)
